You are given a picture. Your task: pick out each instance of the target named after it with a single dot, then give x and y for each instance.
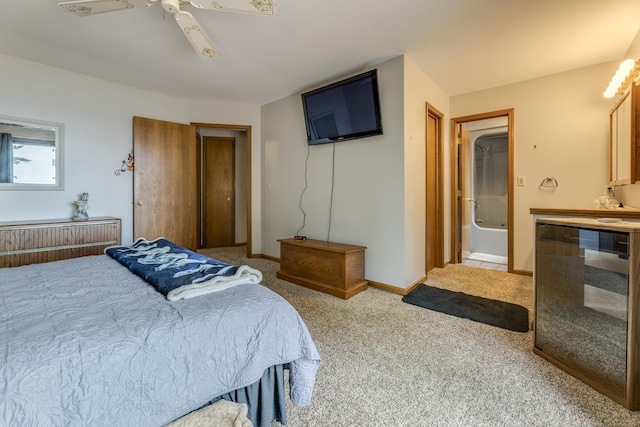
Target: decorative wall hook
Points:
(127, 165)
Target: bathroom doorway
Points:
(482, 177)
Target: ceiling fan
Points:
(194, 32)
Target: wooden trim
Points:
(23, 224)
(455, 122)
(633, 330)
(221, 126)
(199, 187)
(635, 132)
(395, 289)
(247, 130)
(269, 257)
(610, 164)
(595, 213)
(523, 272)
(453, 212)
(60, 247)
(385, 287)
(511, 191)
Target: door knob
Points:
(228, 199)
(140, 203)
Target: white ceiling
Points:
(462, 45)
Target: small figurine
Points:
(81, 207)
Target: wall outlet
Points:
(522, 181)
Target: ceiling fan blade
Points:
(196, 35)
(261, 7)
(93, 7)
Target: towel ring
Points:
(549, 182)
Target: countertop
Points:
(594, 213)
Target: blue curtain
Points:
(6, 158)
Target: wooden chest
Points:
(332, 268)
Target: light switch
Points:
(522, 181)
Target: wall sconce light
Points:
(127, 165)
(626, 73)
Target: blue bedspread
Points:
(177, 272)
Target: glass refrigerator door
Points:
(582, 281)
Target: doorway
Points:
(167, 183)
(240, 193)
(482, 190)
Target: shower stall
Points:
(489, 187)
(488, 184)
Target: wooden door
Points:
(218, 174)
(434, 252)
(165, 180)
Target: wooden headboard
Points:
(32, 242)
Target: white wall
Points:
(368, 200)
(379, 194)
(379, 181)
(419, 89)
(97, 117)
(561, 131)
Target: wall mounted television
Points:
(344, 110)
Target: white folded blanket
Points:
(220, 414)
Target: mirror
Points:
(624, 148)
(31, 154)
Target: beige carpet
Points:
(388, 363)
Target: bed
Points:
(84, 341)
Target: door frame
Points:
(455, 214)
(439, 185)
(247, 130)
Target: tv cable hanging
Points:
(298, 236)
(306, 182)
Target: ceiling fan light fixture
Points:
(171, 6)
(190, 27)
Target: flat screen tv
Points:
(344, 110)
